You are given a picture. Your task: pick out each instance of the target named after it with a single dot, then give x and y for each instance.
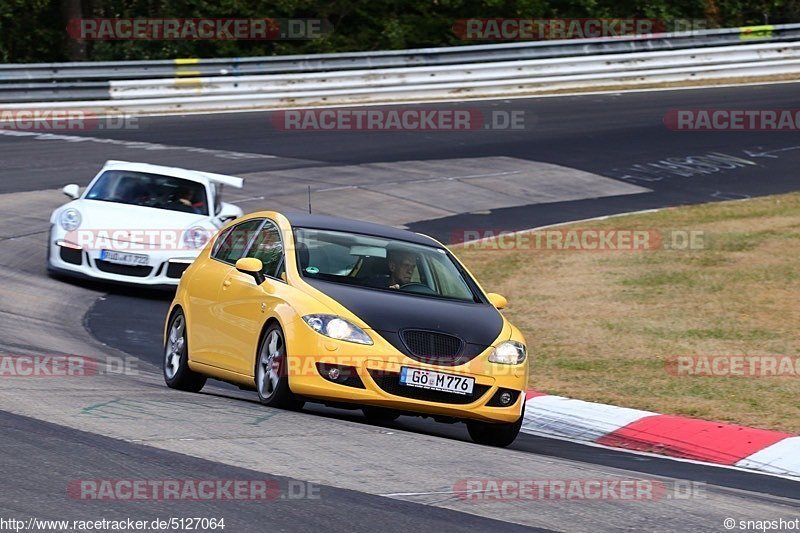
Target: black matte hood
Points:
(389, 313)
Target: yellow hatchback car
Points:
(351, 314)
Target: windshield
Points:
(150, 190)
(378, 263)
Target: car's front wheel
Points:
(177, 373)
(500, 435)
(271, 373)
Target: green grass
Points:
(601, 326)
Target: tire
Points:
(379, 415)
(49, 244)
(50, 272)
(177, 374)
(271, 377)
(499, 435)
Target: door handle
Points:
(226, 283)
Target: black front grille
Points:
(71, 255)
(137, 271)
(390, 382)
(432, 347)
(175, 270)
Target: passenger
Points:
(134, 193)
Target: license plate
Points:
(428, 379)
(122, 258)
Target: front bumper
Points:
(164, 268)
(376, 381)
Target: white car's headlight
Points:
(195, 237)
(508, 353)
(337, 328)
(70, 219)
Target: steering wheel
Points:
(419, 288)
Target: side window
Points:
(281, 273)
(268, 247)
(231, 245)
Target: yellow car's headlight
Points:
(337, 328)
(508, 353)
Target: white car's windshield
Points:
(379, 263)
(150, 190)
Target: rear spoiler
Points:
(222, 179)
(231, 181)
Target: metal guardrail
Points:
(505, 71)
(430, 69)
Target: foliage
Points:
(35, 30)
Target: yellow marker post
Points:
(185, 73)
(748, 33)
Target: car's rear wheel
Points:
(500, 435)
(177, 373)
(271, 376)
(379, 415)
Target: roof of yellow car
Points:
(304, 220)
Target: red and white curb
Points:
(763, 450)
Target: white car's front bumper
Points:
(164, 267)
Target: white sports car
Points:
(138, 223)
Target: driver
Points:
(402, 264)
(190, 200)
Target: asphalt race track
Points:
(56, 446)
(577, 157)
